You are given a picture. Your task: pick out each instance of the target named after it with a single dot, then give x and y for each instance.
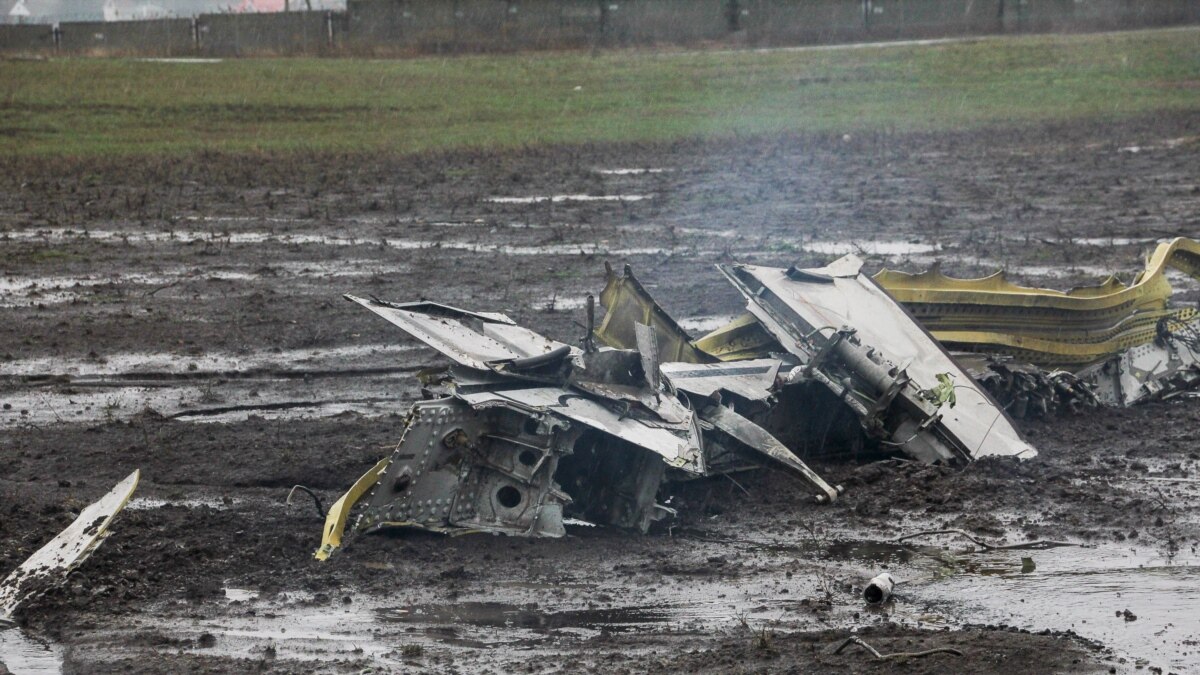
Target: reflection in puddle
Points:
(133, 237)
(502, 615)
(866, 247)
(23, 654)
(1086, 590)
(567, 198)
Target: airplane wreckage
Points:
(522, 433)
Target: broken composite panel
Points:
(522, 433)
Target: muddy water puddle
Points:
(1140, 604)
(24, 654)
(371, 380)
(1131, 599)
(503, 615)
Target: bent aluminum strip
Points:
(444, 329)
(52, 562)
(335, 518)
(760, 440)
(678, 444)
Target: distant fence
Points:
(396, 27)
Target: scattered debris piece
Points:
(51, 564)
(879, 589)
(854, 639)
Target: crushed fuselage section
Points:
(524, 432)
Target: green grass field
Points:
(104, 107)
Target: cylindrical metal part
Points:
(879, 589)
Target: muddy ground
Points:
(183, 316)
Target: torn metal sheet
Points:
(51, 564)
(482, 340)
(856, 340)
(678, 444)
(753, 380)
(756, 439)
(628, 304)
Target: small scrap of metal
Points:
(879, 589)
(855, 640)
(51, 563)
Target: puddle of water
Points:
(882, 248)
(25, 655)
(1086, 590)
(567, 198)
(221, 362)
(21, 291)
(220, 238)
(214, 399)
(179, 60)
(146, 503)
(503, 615)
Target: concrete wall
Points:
(412, 26)
(784, 22)
(555, 24)
(27, 38)
(160, 37)
(892, 19)
(400, 27)
(279, 34)
(650, 22)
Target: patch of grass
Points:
(126, 107)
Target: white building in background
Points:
(115, 10)
(19, 13)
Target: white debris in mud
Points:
(240, 595)
(567, 198)
(628, 172)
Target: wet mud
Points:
(184, 317)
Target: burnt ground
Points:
(182, 316)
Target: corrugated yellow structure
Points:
(1054, 329)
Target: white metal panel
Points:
(852, 299)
